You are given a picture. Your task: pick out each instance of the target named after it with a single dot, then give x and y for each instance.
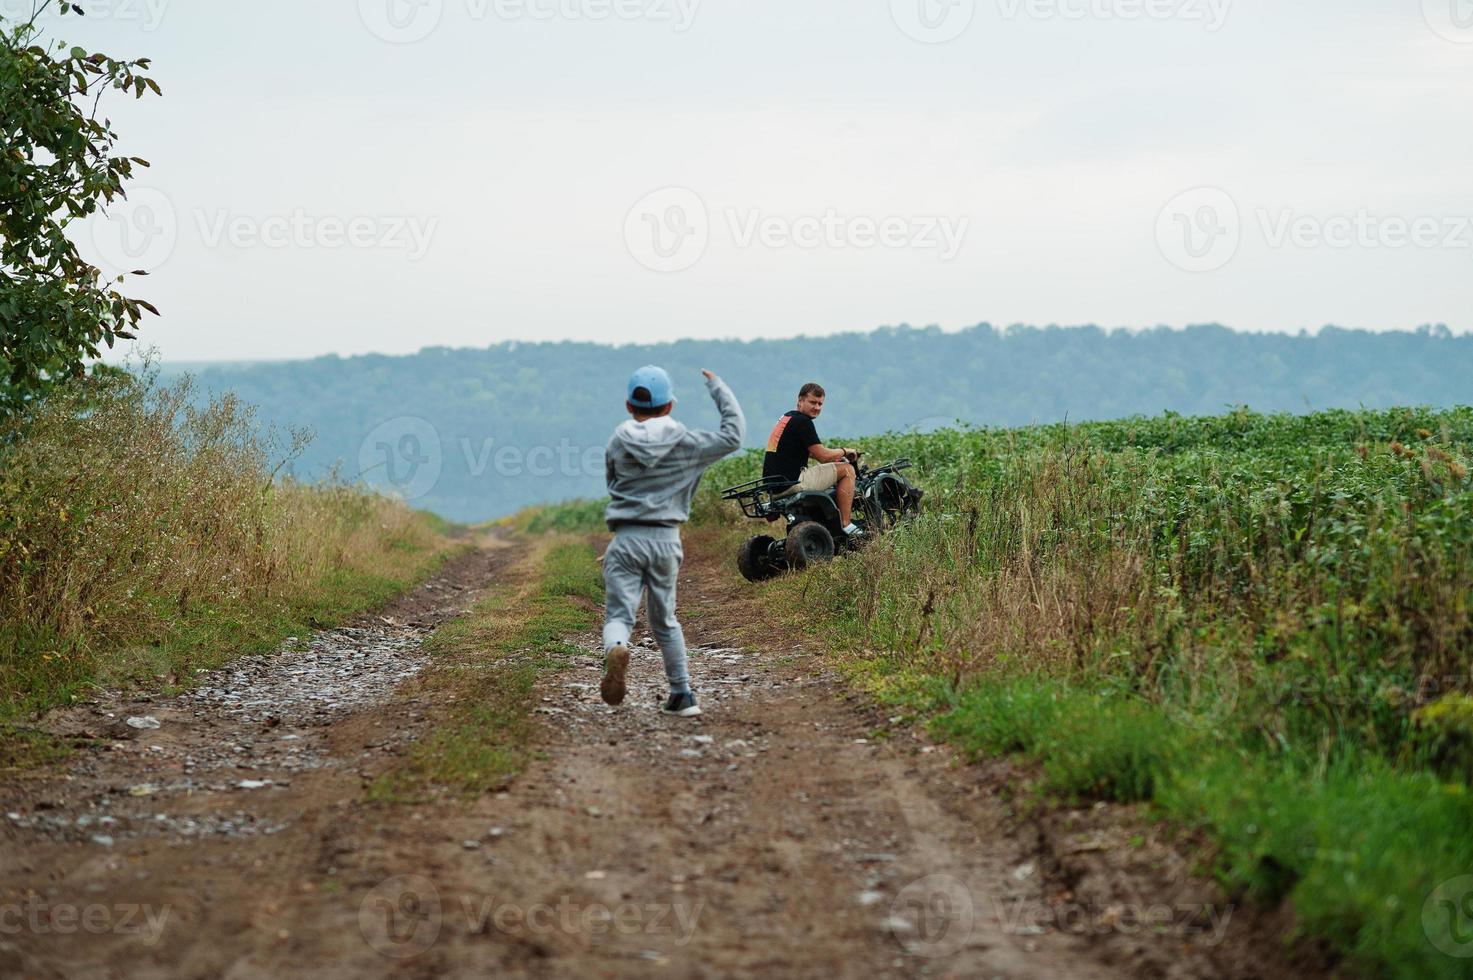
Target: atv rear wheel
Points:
(808, 542)
(754, 559)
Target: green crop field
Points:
(1258, 622)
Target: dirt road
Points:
(792, 830)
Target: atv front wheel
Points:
(754, 560)
(874, 516)
(808, 542)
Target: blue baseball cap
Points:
(656, 382)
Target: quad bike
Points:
(882, 499)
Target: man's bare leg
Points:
(844, 491)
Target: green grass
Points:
(566, 517)
(485, 668)
(1094, 745)
(1358, 846)
(1260, 625)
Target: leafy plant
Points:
(58, 165)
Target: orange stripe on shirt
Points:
(777, 433)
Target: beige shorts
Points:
(818, 477)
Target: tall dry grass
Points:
(132, 512)
(1317, 569)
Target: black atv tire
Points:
(753, 561)
(908, 509)
(808, 542)
(875, 521)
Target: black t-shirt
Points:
(787, 447)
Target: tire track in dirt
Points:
(791, 830)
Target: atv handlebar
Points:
(894, 466)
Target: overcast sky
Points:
(383, 175)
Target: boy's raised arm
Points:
(728, 439)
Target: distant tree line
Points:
(476, 433)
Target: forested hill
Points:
(475, 433)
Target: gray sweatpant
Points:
(646, 560)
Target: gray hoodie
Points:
(652, 467)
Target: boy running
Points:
(652, 465)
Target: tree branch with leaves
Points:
(59, 165)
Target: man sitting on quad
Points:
(794, 440)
